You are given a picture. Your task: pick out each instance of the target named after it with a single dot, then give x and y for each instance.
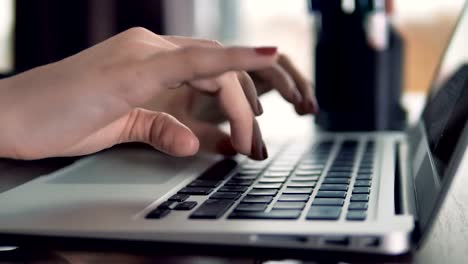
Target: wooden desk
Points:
(447, 243)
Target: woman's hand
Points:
(93, 100)
(202, 113)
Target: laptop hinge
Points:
(405, 202)
(398, 202)
(405, 196)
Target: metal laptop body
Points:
(110, 195)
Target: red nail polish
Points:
(264, 151)
(266, 51)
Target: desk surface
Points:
(447, 243)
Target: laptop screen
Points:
(446, 111)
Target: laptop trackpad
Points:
(123, 166)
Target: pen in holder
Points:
(358, 66)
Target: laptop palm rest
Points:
(125, 166)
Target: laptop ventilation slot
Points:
(397, 183)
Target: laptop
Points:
(375, 192)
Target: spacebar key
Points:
(212, 209)
(275, 214)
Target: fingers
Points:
(187, 41)
(246, 82)
(250, 92)
(197, 63)
(309, 103)
(163, 131)
(216, 141)
(280, 80)
(212, 138)
(193, 63)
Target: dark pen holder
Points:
(358, 88)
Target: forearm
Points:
(8, 120)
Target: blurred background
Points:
(37, 32)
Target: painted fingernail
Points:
(259, 108)
(256, 151)
(264, 151)
(266, 51)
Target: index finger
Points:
(192, 63)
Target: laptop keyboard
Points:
(287, 186)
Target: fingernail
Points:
(266, 51)
(256, 151)
(259, 108)
(264, 151)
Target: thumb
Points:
(163, 131)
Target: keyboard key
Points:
(273, 180)
(356, 215)
(196, 190)
(289, 205)
(362, 183)
(324, 213)
(219, 170)
(304, 178)
(298, 190)
(294, 198)
(271, 174)
(267, 186)
(364, 177)
(257, 199)
(212, 209)
(244, 177)
(248, 172)
(341, 164)
(359, 198)
(239, 189)
(274, 214)
(334, 187)
(365, 171)
(303, 172)
(158, 213)
(341, 168)
(358, 206)
(367, 160)
(186, 206)
(331, 194)
(205, 183)
(328, 201)
(282, 169)
(234, 182)
(303, 184)
(252, 207)
(263, 192)
(349, 143)
(253, 166)
(225, 195)
(168, 205)
(179, 197)
(316, 167)
(364, 190)
(339, 174)
(336, 181)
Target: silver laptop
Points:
(360, 192)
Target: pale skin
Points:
(165, 91)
